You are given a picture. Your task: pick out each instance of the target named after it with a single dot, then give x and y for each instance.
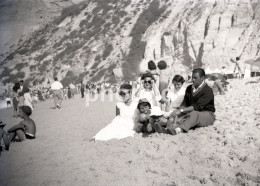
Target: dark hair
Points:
(126, 86)
(200, 71)
(26, 109)
(55, 79)
(144, 103)
(237, 58)
(225, 77)
(16, 87)
(26, 89)
(151, 65)
(147, 75)
(178, 79)
(162, 65)
(20, 93)
(21, 81)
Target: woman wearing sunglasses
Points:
(122, 125)
(148, 90)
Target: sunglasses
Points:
(150, 82)
(122, 94)
(155, 117)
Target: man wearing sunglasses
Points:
(148, 90)
(198, 104)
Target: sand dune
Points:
(226, 153)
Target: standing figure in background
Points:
(82, 89)
(72, 88)
(163, 83)
(15, 98)
(39, 92)
(27, 98)
(57, 87)
(69, 93)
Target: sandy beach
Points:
(226, 153)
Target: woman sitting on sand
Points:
(175, 94)
(122, 125)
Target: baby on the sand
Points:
(148, 120)
(26, 129)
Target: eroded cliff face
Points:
(113, 40)
(205, 33)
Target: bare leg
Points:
(20, 134)
(12, 135)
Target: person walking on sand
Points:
(82, 89)
(198, 105)
(57, 87)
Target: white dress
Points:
(176, 97)
(122, 126)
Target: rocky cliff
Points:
(112, 40)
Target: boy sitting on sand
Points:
(157, 120)
(26, 129)
(4, 136)
(142, 123)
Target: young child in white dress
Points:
(122, 125)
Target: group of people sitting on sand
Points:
(159, 107)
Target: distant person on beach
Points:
(142, 123)
(69, 93)
(26, 129)
(152, 68)
(4, 137)
(20, 99)
(225, 83)
(198, 105)
(163, 82)
(72, 89)
(82, 89)
(56, 88)
(27, 98)
(148, 90)
(15, 98)
(217, 87)
(39, 93)
(8, 101)
(123, 124)
(237, 70)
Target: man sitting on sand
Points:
(26, 129)
(197, 106)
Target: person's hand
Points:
(153, 84)
(149, 127)
(175, 113)
(179, 130)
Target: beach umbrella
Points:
(254, 62)
(257, 60)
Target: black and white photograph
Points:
(129, 92)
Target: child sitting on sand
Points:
(157, 120)
(4, 136)
(26, 129)
(142, 123)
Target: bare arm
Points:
(19, 126)
(138, 92)
(117, 111)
